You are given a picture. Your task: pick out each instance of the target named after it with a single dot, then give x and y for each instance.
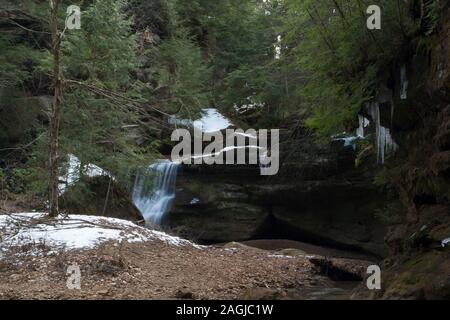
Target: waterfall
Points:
(154, 190)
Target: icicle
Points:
(403, 83)
(374, 110)
(278, 48)
(385, 142)
(363, 124)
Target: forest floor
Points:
(157, 267)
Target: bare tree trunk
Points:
(56, 112)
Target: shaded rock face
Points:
(330, 214)
(93, 197)
(214, 211)
(315, 198)
(440, 161)
(418, 266)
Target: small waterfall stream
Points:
(154, 190)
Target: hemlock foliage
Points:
(136, 62)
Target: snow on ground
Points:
(75, 232)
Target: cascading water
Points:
(154, 190)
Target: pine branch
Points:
(341, 13)
(324, 37)
(119, 99)
(24, 146)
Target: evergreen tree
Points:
(103, 103)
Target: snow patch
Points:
(75, 231)
(195, 201)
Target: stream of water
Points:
(154, 190)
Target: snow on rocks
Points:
(73, 173)
(75, 232)
(211, 121)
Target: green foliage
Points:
(430, 21)
(16, 61)
(330, 63)
(237, 38)
(431, 16)
(365, 149)
(340, 57)
(390, 214)
(201, 52)
(20, 53)
(157, 15)
(382, 179)
(182, 77)
(18, 117)
(106, 104)
(78, 195)
(176, 78)
(103, 52)
(17, 181)
(101, 56)
(97, 63)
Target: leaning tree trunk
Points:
(55, 112)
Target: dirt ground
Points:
(156, 270)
